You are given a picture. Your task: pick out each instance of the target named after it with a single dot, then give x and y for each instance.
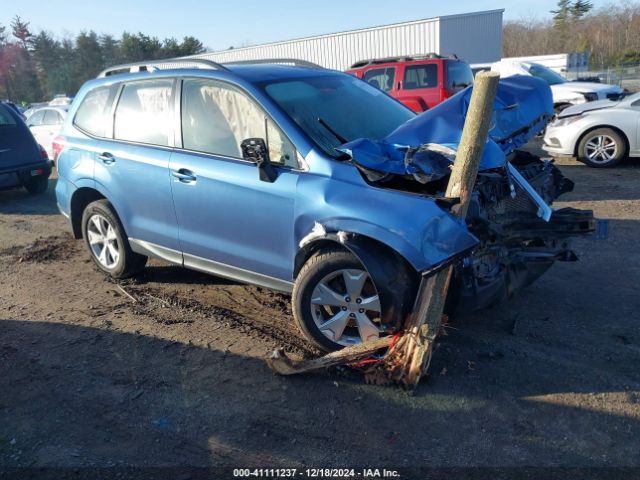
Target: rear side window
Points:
(381, 78)
(420, 76)
(459, 75)
(143, 113)
(51, 117)
(93, 113)
(6, 119)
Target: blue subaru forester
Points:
(277, 175)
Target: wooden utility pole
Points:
(408, 359)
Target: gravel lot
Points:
(90, 378)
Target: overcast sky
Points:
(223, 23)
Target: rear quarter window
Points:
(93, 113)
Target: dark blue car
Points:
(22, 161)
(310, 182)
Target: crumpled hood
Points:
(522, 108)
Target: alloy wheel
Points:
(346, 307)
(103, 241)
(601, 149)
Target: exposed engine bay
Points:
(520, 236)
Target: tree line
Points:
(611, 34)
(35, 66)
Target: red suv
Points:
(419, 82)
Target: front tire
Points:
(336, 302)
(602, 148)
(107, 242)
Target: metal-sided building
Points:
(474, 37)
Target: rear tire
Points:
(36, 185)
(107, 241)
(602, 148)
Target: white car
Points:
(565, 93)
(599, 134)
(45, 124)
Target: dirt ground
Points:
(90, 378)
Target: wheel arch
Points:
(624, 137)
(394, 276)
(79, 200)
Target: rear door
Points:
(419, 87)
(232, 223)
(133, 167)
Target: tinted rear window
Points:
(143, 113)
(421, 76)
(93, 113)
(6, 119)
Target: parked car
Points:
(60, 100)
(419, 82)
(45, 124)
(22, 161)
(565, 93)
(600, 134)
(294, 178)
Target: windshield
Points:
(546, 74)
(333, 109)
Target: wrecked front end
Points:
(520, 235)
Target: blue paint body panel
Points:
(229, 216)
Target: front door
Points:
(232, 223)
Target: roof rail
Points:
(293, 61)
(403, 58)
(167, 63)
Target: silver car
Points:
(599, 134)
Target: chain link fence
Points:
(626, 76)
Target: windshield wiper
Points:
(340, 138)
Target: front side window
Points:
(143, 113)
(36, 119)
(381, 78)
(93, 113)
(217, 117)
(420, 76)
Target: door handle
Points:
(107, 158)
(184, 175)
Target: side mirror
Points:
(255, 150)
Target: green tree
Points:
(580, 8)
(110, 49)
(46, 54)
(88, 58)
(3, 35)
(21, 31)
